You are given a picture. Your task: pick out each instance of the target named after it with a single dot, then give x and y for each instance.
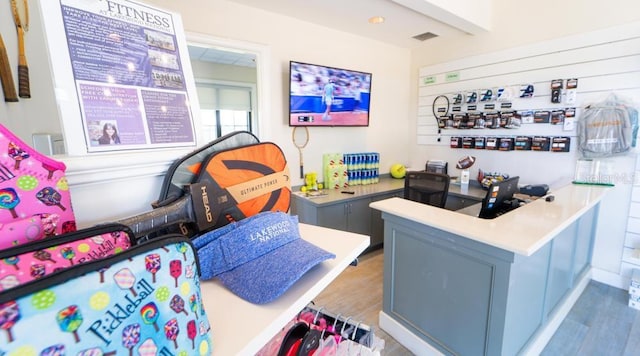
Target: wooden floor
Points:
(600, 323)
(357, 293)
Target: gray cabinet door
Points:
(444, 293)
(352, 216)
(349, 214)
(333, 216)
(586, 228)
(377, 224)
(359, 216)
(560, 279)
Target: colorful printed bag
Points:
(34, 195)
(34, 260)
(143, 301)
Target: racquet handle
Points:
(301, 171)
(24, 90)
(6, 78)
(178, 212)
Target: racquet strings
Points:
(300, 138)
(20, 10)
(440, 109)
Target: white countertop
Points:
(335, 195)
(522, 231)
(386, 185)
(242, 328)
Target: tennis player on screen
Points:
(327, 96)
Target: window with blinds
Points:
(224, 109)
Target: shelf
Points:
(242, 328)
(631, 255)
(632, 240)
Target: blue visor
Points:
(260, 258)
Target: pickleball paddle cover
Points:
(35, 201)
(184, 171)
(245, 180)
(181, 172)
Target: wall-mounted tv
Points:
(328, 96)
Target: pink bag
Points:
(34, 195)
(31, 261)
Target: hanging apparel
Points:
(607, 128)
(316, 333)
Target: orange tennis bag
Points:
(230, 185)
(248, 180)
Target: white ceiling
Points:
(222, 56)
(351, 16)
(401, 23)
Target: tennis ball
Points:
(303, 189)
(320, 186)
(398, 170)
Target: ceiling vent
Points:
(425, 36)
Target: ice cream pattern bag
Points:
(143, 301)
(34, 195)
(34, 260)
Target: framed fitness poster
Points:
(121, 68)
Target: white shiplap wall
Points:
(631, 251)
(605, 62)
(607, 65)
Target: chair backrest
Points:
(427, 188)
(436, 166)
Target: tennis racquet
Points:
(6, 78)
(300, 139)
(20, 11)
(440, 106)
(440, 109)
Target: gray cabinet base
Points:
(464, 297)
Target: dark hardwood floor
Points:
(599, 324)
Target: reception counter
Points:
(458, 284)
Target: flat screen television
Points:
(328, 96)
(499, 198)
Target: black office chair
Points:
(427, 187)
